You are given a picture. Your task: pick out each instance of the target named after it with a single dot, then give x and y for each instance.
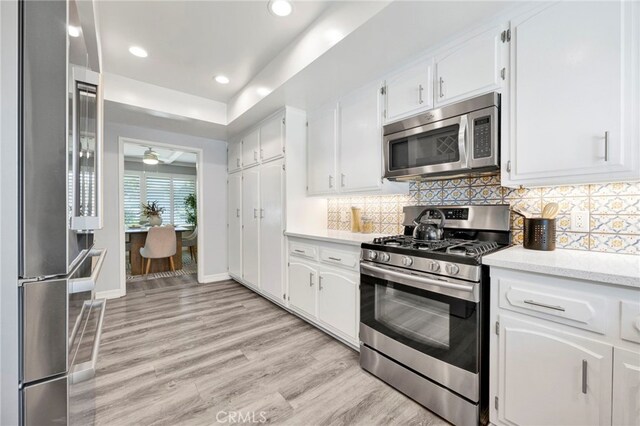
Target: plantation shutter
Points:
(181, 188)
(159, 189)
(132, 199)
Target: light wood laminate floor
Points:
(177, 352)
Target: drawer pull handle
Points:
(311, 279)
(544, 305)
(584, 376)
(337, 259)
(300, 251)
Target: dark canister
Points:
(539, 234)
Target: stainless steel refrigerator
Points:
(60, 185)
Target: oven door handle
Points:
(408, 278)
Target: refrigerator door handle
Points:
(79, 285)
(87, 370)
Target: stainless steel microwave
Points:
(456, 140)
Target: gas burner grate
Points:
(473, 248)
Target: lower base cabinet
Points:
(549, 377)
(337, 301)
(302, 294)
(626, 387)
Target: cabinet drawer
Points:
(630, 321)
(580, 310)
(339, 258)
(302, 250)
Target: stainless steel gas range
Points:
(424, 307)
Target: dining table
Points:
(137, 237)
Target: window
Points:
(168, 190)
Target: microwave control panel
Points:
(482, 137)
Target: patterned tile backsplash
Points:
(614, 209)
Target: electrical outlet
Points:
(580, 221)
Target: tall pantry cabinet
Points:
(256, 216)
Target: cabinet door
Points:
(272, 138)
(234, 156)
(337, 300)
(302, 290)
(271, 228)
(360, 142)
(234, 215)
(251, 148)
(572, 75)
(626, 387)
(251, 226)
(321, 151)
(409, 91)
(469, 69)
(547, 377)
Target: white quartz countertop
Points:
(619, 269)
(333, 236)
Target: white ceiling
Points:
(134, 152)
(189, 42)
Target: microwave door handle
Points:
(463, 141)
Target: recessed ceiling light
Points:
(222, 79)
(280, 7)
(263, 91)
(74, 31)
(138, 51)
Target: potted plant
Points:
(153, 212)
(190, 206)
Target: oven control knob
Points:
(373, 255)
(434, 266)
(407, 261)
(452, 269)
(384, 257)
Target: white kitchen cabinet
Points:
(251, 148)
(626, 387)
(234, 156)
(409, 91)
(272, 138)
(271, 228)
(321, 151)
(548, 377)
(360, 153)
(234, 215)
(471, 68)
(302, 292)
(251, 226)
(337, 293)
(574, 109)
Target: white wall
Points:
(8, 213)
(214, 202)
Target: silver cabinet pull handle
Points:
(255, 155)
(337, 259)
(330, 181)
(420, 89)
(584, 376)
(237, 212)
(509, 166)
(310, 279)
(320, 282)
(342, 177)
(255, 213)
(606, 146)
(544, 305)
(441, 87)
(299, 251)
(261, 213)
(86, 370)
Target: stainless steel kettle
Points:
(428, 226)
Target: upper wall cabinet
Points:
(251, 149)
(409, 92)
(272, 138)
(470, 68)
(234, 156)
(574, 104)
(321, 150)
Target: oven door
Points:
(428, 325)
(435, 148)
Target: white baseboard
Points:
(109, 294)
(214, 278)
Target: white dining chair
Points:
(160, 244)
(191, 241)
